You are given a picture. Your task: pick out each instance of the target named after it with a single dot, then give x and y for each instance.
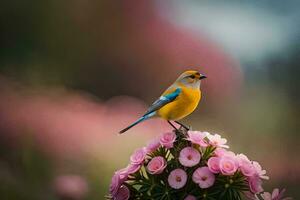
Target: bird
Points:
(178, 101)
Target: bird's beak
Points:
(202, 76)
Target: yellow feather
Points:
(183, 105)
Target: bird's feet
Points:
(182, 125)
(182, 129)
(172, 125)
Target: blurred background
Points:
(74, 73)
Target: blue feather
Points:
(174, 94)
(162, 101)
(145, 117)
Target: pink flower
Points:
(216, 141)
(213, 164)
(177, 178)
(228, 165)
(197, 137)
(122, 194)
(157, 165)
(123, 174)
(153, 145)
(168, 139)
(241, 157)
(245, 165)
(247, 168)
(220, 152)
(259, 171)
(190, 197)
(130, 169)
(276, 195)
(255, 184)
(138, 157)
(189, 157)
(115, 184)
(230, 153)
(203, 177)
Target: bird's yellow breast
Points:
(186, 102)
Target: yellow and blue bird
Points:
(177, 102)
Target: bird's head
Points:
(190, 78)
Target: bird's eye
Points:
(192, 76)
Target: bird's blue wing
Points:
(163, 100)
(169, 96)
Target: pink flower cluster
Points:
(199, 157)
(156, 165)
(227, 163)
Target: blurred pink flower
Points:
(242, 157)
(203, 177)
(177, 178)
(167, 139)
(228, 165)
(115, 184)
(70, 124)
(189, 157)
(197, 137)
(245, 165)
(157, 165)
(131, 169)
(71, 187)
(247, 168)
(213, 164)
(276, 195)
(123, 174)
(220, 152)
(138, 157)
(153, 145)
(259, 171)
(190, 197)
(216, 141)
(255, 184)
(122, 194)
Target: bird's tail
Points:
(145, 117)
